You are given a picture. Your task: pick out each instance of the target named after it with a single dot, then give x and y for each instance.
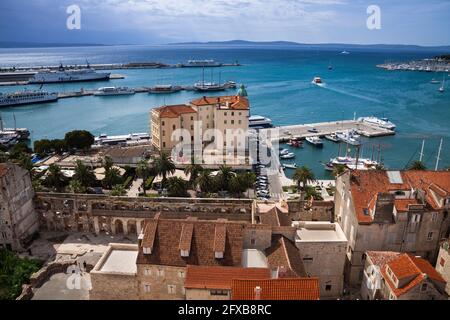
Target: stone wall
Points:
(303, 210)
(100, 213)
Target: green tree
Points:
(24, 161)
(18, 149)
(112, 178)
(143, 171)
(312, 192)
(75, 186)
(55, 179)
(3, 157)
(241, 183)
(338, 169)
(224, 177)
(193, 170)
(37, 185)
(177, 187)
(84, 174)
(417, 165)
(302, 176)
(79, 139)
(205, 182)
(107, 163)
(118, 190)
(164, 166)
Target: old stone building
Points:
(221, 113)
(403, 211)
(400, 276)
(18, 219)
(443, 263)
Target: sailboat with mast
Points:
(441, 89)
(213, 86)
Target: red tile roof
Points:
(402, 205)
(200, 277)
(367, 184)
(404, 266)
(276, 289)
(275, 217)
(235, 102)
(284, 255)
(166, 249)
(174, 111)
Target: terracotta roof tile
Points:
(186, 236)
(284, 255)
(220, 277)
(166, 244)
(220, 234)
(367, 184)
(235, 102)
(174, 111)
(402, 205)
(275, 217)
(276, 289)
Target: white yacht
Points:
(349, 136)
(315, 141)
(113, 91)
(26, 97)
(289, 155)
(284, 152)
(259, 121)
(379, 122)
(165, 88)
(350, 163)
(332, 137)
(69, 75)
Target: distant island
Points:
(316, 46)
(13, 44)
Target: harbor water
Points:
(278, 82)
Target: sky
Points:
(416, 22)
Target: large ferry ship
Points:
(257, 121)
(69, 75)
(131, 138)
(26, 97)
(379, 122)
(201, 64)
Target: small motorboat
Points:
(290, 166)
(289, 155)
(332, 137)
(284, 152)
(317, 81)
(315, 141)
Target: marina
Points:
(425, 65)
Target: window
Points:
(192, 118)
(442, 262)
(173, 127)
(146, 288)
(434, 216)
(424, 287)
(430, 236)
(171, 289)
(224, 113)
(328, 287)
(218, 292)
(232, 113)
(164, 144)
(308, 259)
(252, 241)
(363, 257)
(232, 121)
(148, 272)
(416, 218)
(162, 123)
(225, 121)
(160, 273)
(239, 121)
(181, 274)
(164, 133)
(240, 113)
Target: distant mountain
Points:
(12, 44)
(316, 46)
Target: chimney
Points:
(257, 293)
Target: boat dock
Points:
(426, 65)
(302, 131)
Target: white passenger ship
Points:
(201, 64)
(379, 122)
(113, 91)
(69, 75)
(26, 97)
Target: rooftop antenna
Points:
(438, 156)
(421, 150)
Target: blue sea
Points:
(278, 81)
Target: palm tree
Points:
(338, 169)
(193, 170)
(143, 171)
(204, 181)
(118, 190)
(303, 175)
(107, 163)
(224, 176)
(84, 174)
(112, 177)
(176, 187)
(164, 165)
(76, 187)
(417, 165)
(55, 178)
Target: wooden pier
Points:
(302, 131)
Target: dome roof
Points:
(242, 91)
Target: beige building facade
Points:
(443, 263)
(18, 219)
